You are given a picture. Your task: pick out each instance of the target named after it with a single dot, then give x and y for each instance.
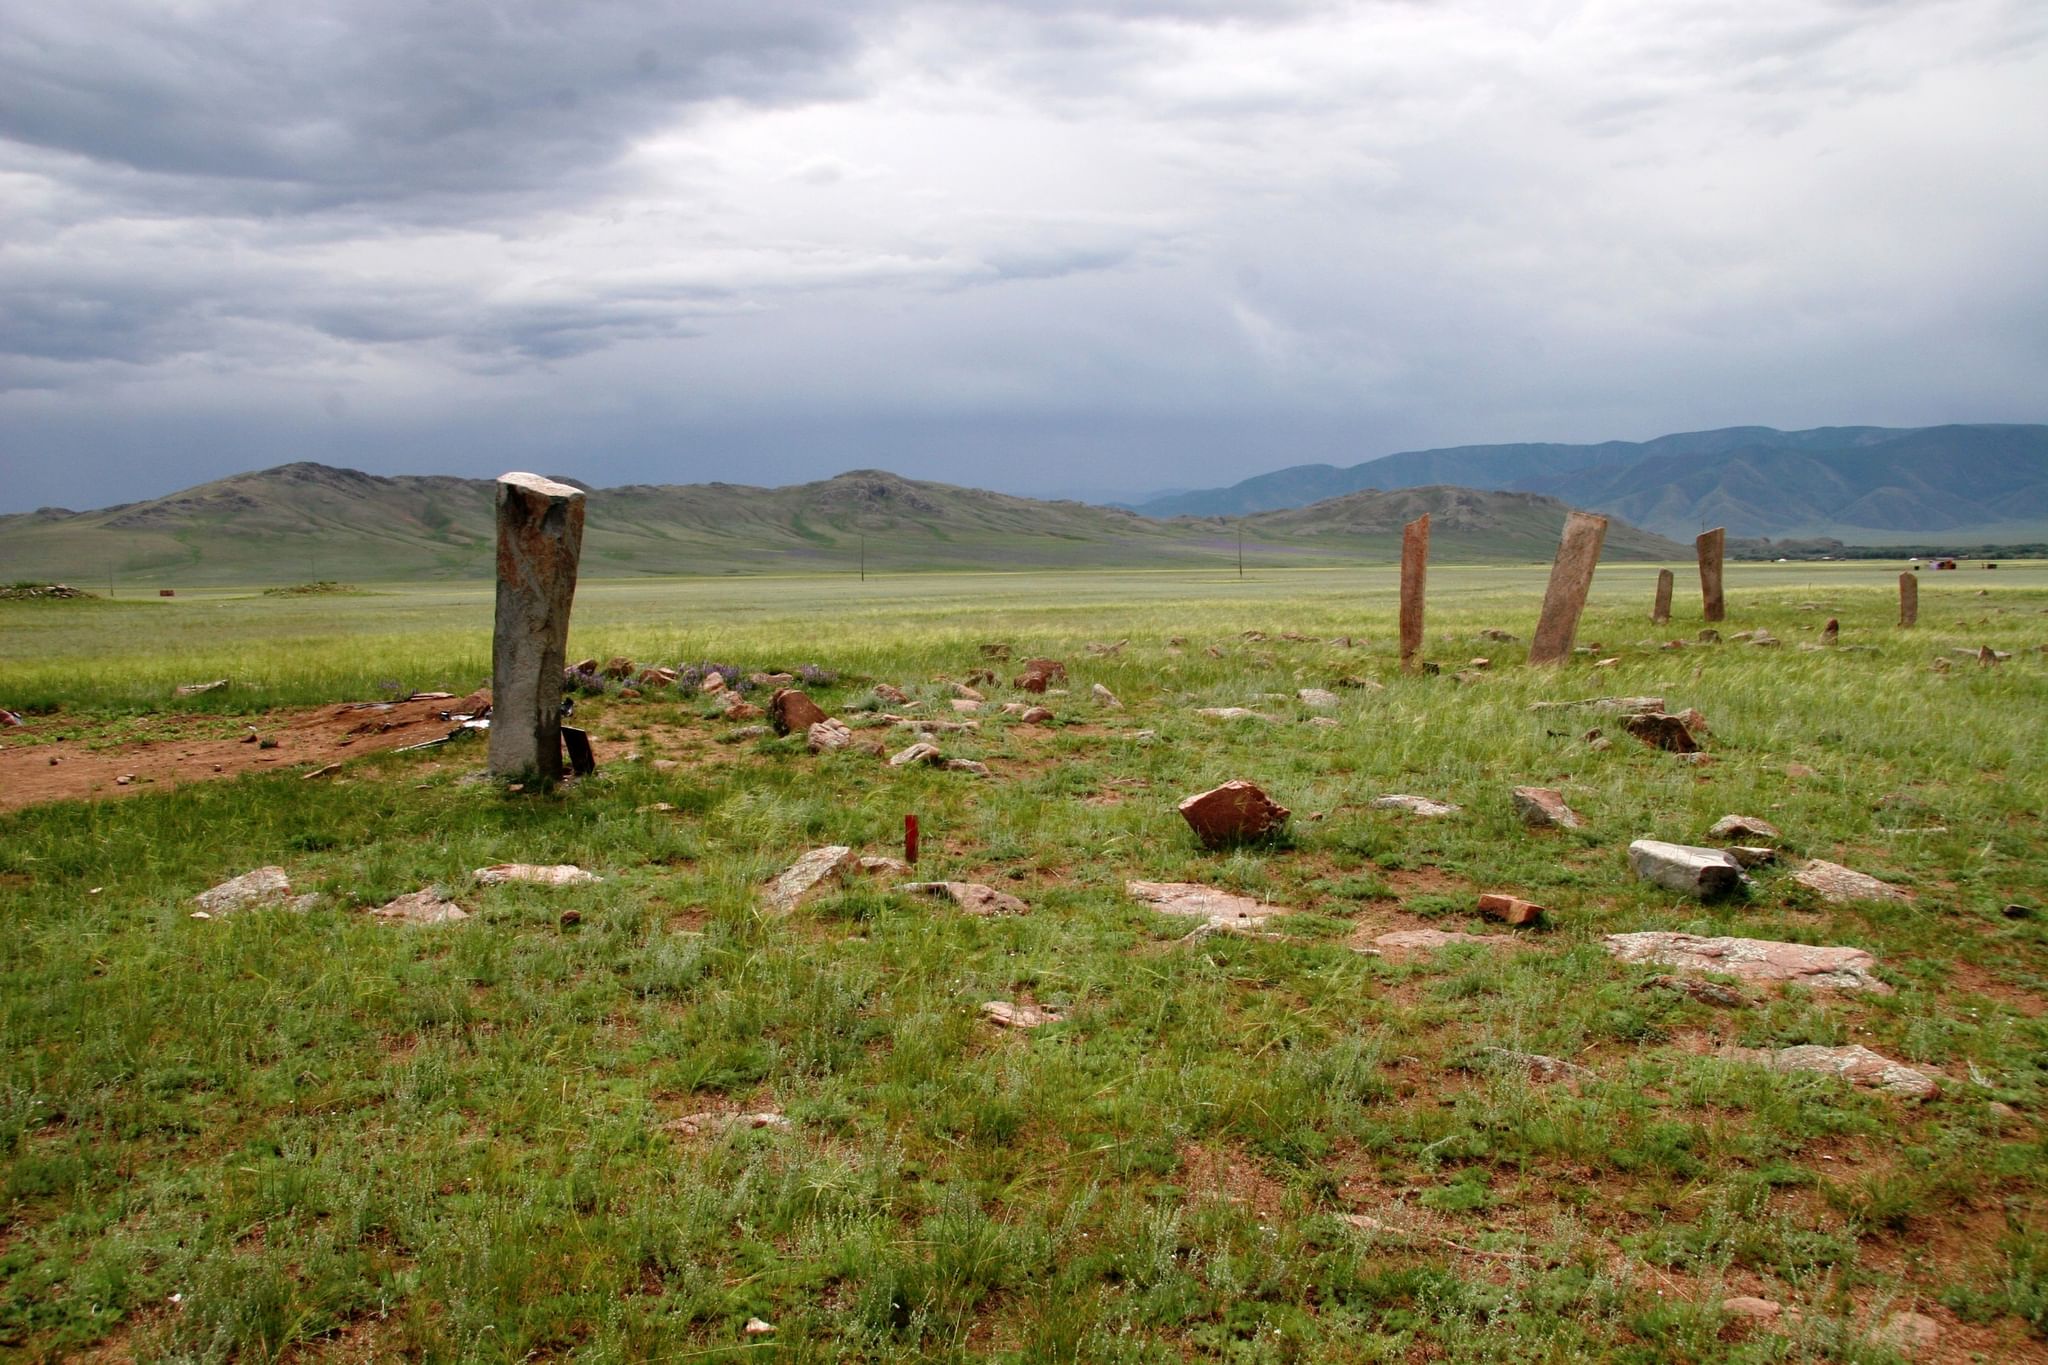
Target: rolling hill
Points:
(1856, 483)
(302, 522)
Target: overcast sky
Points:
(1044, 247)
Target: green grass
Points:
(331, 1138)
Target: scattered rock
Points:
(425, 906)
(1697, 872)
(1540, 806)
(1510, 910)
(548, 874)
(921, 752)
(1008, 1014)
(894, 695)
(264, 886)
(1104, 697)
(1752, 1309)
(744, 733)
(1215, 907)
(1706, 992)
(717, 1121)
(1743, 827)
(1501, 636)
(966, 765)
(828, 734)
(876, 866)
(619, 668)
(1752, 959)
(1039, 674)
(657, 677)
(1843, 885)
(995, 650)
(1910, 1334)
(1751, 855)
(1437, 938)
(965, 707)
(790, 710)
(1036, 715)
(1317, 698)
(830, 863)
(1859, 1066)
(1661, 731)
(200, 689)
(1230, 713)
(973, 897)
(1621, 705)
(1232, 813)
(1414, 805)
(742, 710)
(757, 1328)
(1324, 722)
(965, 693)
(1538, 1066)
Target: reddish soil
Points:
(192, 750)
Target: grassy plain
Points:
(319, 1137)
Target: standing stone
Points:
(1831, 632)
(1660, 614)
(1712, 545)
(790, 710)
(1909, 599)
(1571, 578)
(540, 536)
(1414, 570)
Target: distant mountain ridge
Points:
(302, 522)
(1756, 481)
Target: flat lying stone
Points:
(1859, 1066)
(1230, 713)
(1236, 811)
(1706, 992)
(719, 1121)
(1223, 909)
(803, 876)
(1697, 872)
(554, 874)
(1752, 959)
(973, 897)
(970, 766)
(891, 693)
(1750, 855)
(1752, 1308)
(1008, 1014)
(264, 886)
(1540, 806)
(1624, 705)
(874, 866)
(425, 906)
(1538, 1066)
(920, 752)
(1414, 805)
(1746, 828)
(1840, 884)
(1317, 698)
(1437, 938)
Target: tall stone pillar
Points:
(1909, 599)
(540, 535)
(1571, 578)
(1711, 546)
(1660, 614)
(1414, 570)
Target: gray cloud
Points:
(1001, 242)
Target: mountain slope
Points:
(301, 522)
(1754, 480)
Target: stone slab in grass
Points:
(425, 906)
(1224, 909)
(1009, 1014)
(1752, 959)
(1414, 805)
(1859, 1066)
(804, 876)
(973, 897)
(1695, 872)
(540, 874)
(1844, 885)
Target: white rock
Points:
(1221, 909)
(1414, 805)
(554, 874)
(1697, 872)
(804, 875)
(1318, 698)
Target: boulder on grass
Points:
(1236, 812)
(1696, 872)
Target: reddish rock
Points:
(973, 897)
(1843, 885)
(894, 695)
(1660, 731)
(1752, 959)
(1539, 806)
(619, 667)
(1039, 674)
(790, 710)
(1232, 813)
(1510, 910)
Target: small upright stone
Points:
(1232, 813)
(1831, 632)
(1660, 611)
(1541, 806)
(790, 710)
(1104, 697)
(1909, 599)
(540, 537)
(1696, 872)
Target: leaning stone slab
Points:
(1752, 959)
(803, 876)
(1414, 805)
(1843, 885)
(1859, 1066)
(973, 897)
(1698, 872)
(791, 710)
(1191, 900)
(1234, 812)
(1540, 806)
(540, 536)
(548, 874)
(1571, 578)
(425, 906)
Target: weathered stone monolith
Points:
(1414, 570)
(1571, 577)
(1661, 612)
(1909, 599)
(1711, 546)
(540, 535)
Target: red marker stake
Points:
(910, 840)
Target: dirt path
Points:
(89, 767)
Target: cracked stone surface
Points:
(1431, 939)
(1752, 959)
(1841, 884)
(264, 886)
(552, 874)
(973, 897)
(1859, 1066)
(1223, 909)
(1697, 872)
(1008, 1014)
(1414, 805)
(425, 906)
(803, 876)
